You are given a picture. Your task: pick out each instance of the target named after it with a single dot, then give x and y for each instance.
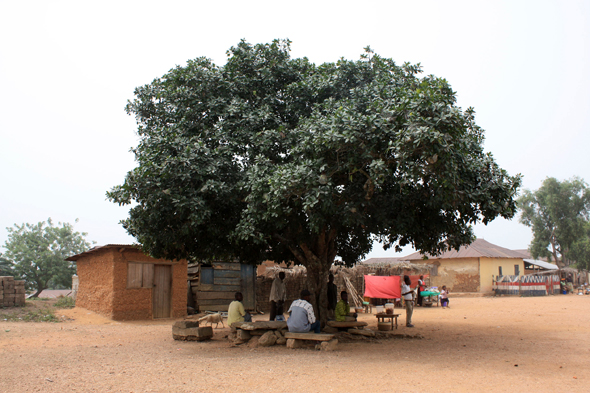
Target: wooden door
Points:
(162, 292)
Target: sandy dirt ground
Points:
(539, 344)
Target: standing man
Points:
(421, 287)
(332, 296)
(570, 283)
(302, 318)
(278, 295)
(236, 312)
(407, 293)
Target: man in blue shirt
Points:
(302, 318)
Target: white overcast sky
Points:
(67, 69)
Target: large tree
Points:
(558, 214)
(37, 253)
(269, 157)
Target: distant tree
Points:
(580, 251)
(37, 253)
(273, 158)
(5, 267)
(558, 214)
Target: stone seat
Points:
(309, 336)
(327, 342)
(260, 325)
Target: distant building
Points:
(474, 267)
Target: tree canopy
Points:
(274, 158)
(558, 214)
(37, 253)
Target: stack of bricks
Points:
(12, 293)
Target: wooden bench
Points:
(245, 330)
(327, 342)
(259, 325)
(347, 324)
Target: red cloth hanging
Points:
(383, 287)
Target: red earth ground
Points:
(539, 344)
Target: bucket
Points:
(389, 306)
(379, 309)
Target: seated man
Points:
(236, 312)
(302, 318)
(342, 311)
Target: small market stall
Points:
(430, 297)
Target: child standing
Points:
(444, 297)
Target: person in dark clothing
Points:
(332, 296)
(570, 283)
(421, 287)
(278, 294)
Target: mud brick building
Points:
(123, 283)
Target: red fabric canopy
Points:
(383, 287)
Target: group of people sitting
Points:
(302, 318)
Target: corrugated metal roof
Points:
(53, 293)
(479, 248)
(372, 261)
(543, 264)
(97, 248)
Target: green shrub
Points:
(65, 302)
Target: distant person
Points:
(236, 311)
(302, 318)
(332, 296)
(421, 287)
(278, 295)
(342, 312)
(570, 283)
(407, 294)
(444, 297)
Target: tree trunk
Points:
(317, 258)
(559, 261)
(36, 294)
(317, 284)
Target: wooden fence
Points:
(527, 285)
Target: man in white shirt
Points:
(407, 293)
(278, 295)
(302, 319)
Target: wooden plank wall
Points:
(219, 283)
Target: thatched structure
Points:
(580, 276)
(295, 278)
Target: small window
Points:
(140, 275)
(500, 271)
(516, 270)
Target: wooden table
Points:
(381, 317)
